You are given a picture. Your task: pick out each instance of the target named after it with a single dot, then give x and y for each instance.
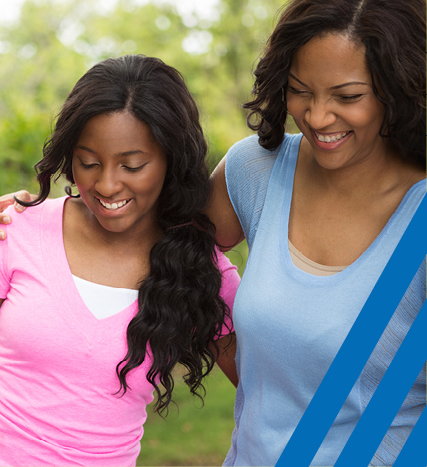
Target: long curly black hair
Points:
(394, 35)
(180, 311)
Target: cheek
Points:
(291, 105)
(79, 180)
(295, 108)
(368, 117)
(77, 174)
(157, 187)
(150, 186)
(367, 121)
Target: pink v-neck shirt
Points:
(58, 362)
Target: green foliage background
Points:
(48, 49)
(55, 42)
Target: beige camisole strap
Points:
(311, 267)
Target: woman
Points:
(115, 286)
(322, 212)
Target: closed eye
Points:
(296, 91)
(133, 169)
(88, 166)
(353, 97)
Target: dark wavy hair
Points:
(180, 311)
(393, 33)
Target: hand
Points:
(7, 200)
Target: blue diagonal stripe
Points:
(414, 452)
(389, 396)
(359, 344)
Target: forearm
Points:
(226, 358)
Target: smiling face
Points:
(331, 99)
(119, 170)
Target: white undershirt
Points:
(104, 301)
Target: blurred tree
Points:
(238, 38)
(54, 42)
(36, 72)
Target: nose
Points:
(108, 183)
(319, 114)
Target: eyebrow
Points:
(333, 87)
(121, 154)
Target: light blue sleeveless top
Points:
(291, 324)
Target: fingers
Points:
(4, 220)
(23, 196)
(8, 200)
(5, 201)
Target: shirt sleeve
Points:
(230, 283)
(247, 172)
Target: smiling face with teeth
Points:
(331, 99)
(119, 170)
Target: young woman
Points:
(103, 294)
(322, 212)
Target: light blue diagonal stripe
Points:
(389, 396)
(414, 452)
(359, 344)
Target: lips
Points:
(114, 205)
(330, 140)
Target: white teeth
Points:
(331, 139)
(113, 206)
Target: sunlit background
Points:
(47, 45)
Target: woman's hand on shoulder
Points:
(229, 232)
(8, 200)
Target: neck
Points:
(140, 237)
(378, 172)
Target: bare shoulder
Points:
(221, 212)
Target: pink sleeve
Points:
(4, 270)
(230, 282)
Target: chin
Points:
(331, 160)
(113, 227)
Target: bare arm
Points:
(229, 232)
(227, 352)
(8, 200)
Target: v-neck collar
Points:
(73, 307)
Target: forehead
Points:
(117, 124)
(117, 132)
(330, 59)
